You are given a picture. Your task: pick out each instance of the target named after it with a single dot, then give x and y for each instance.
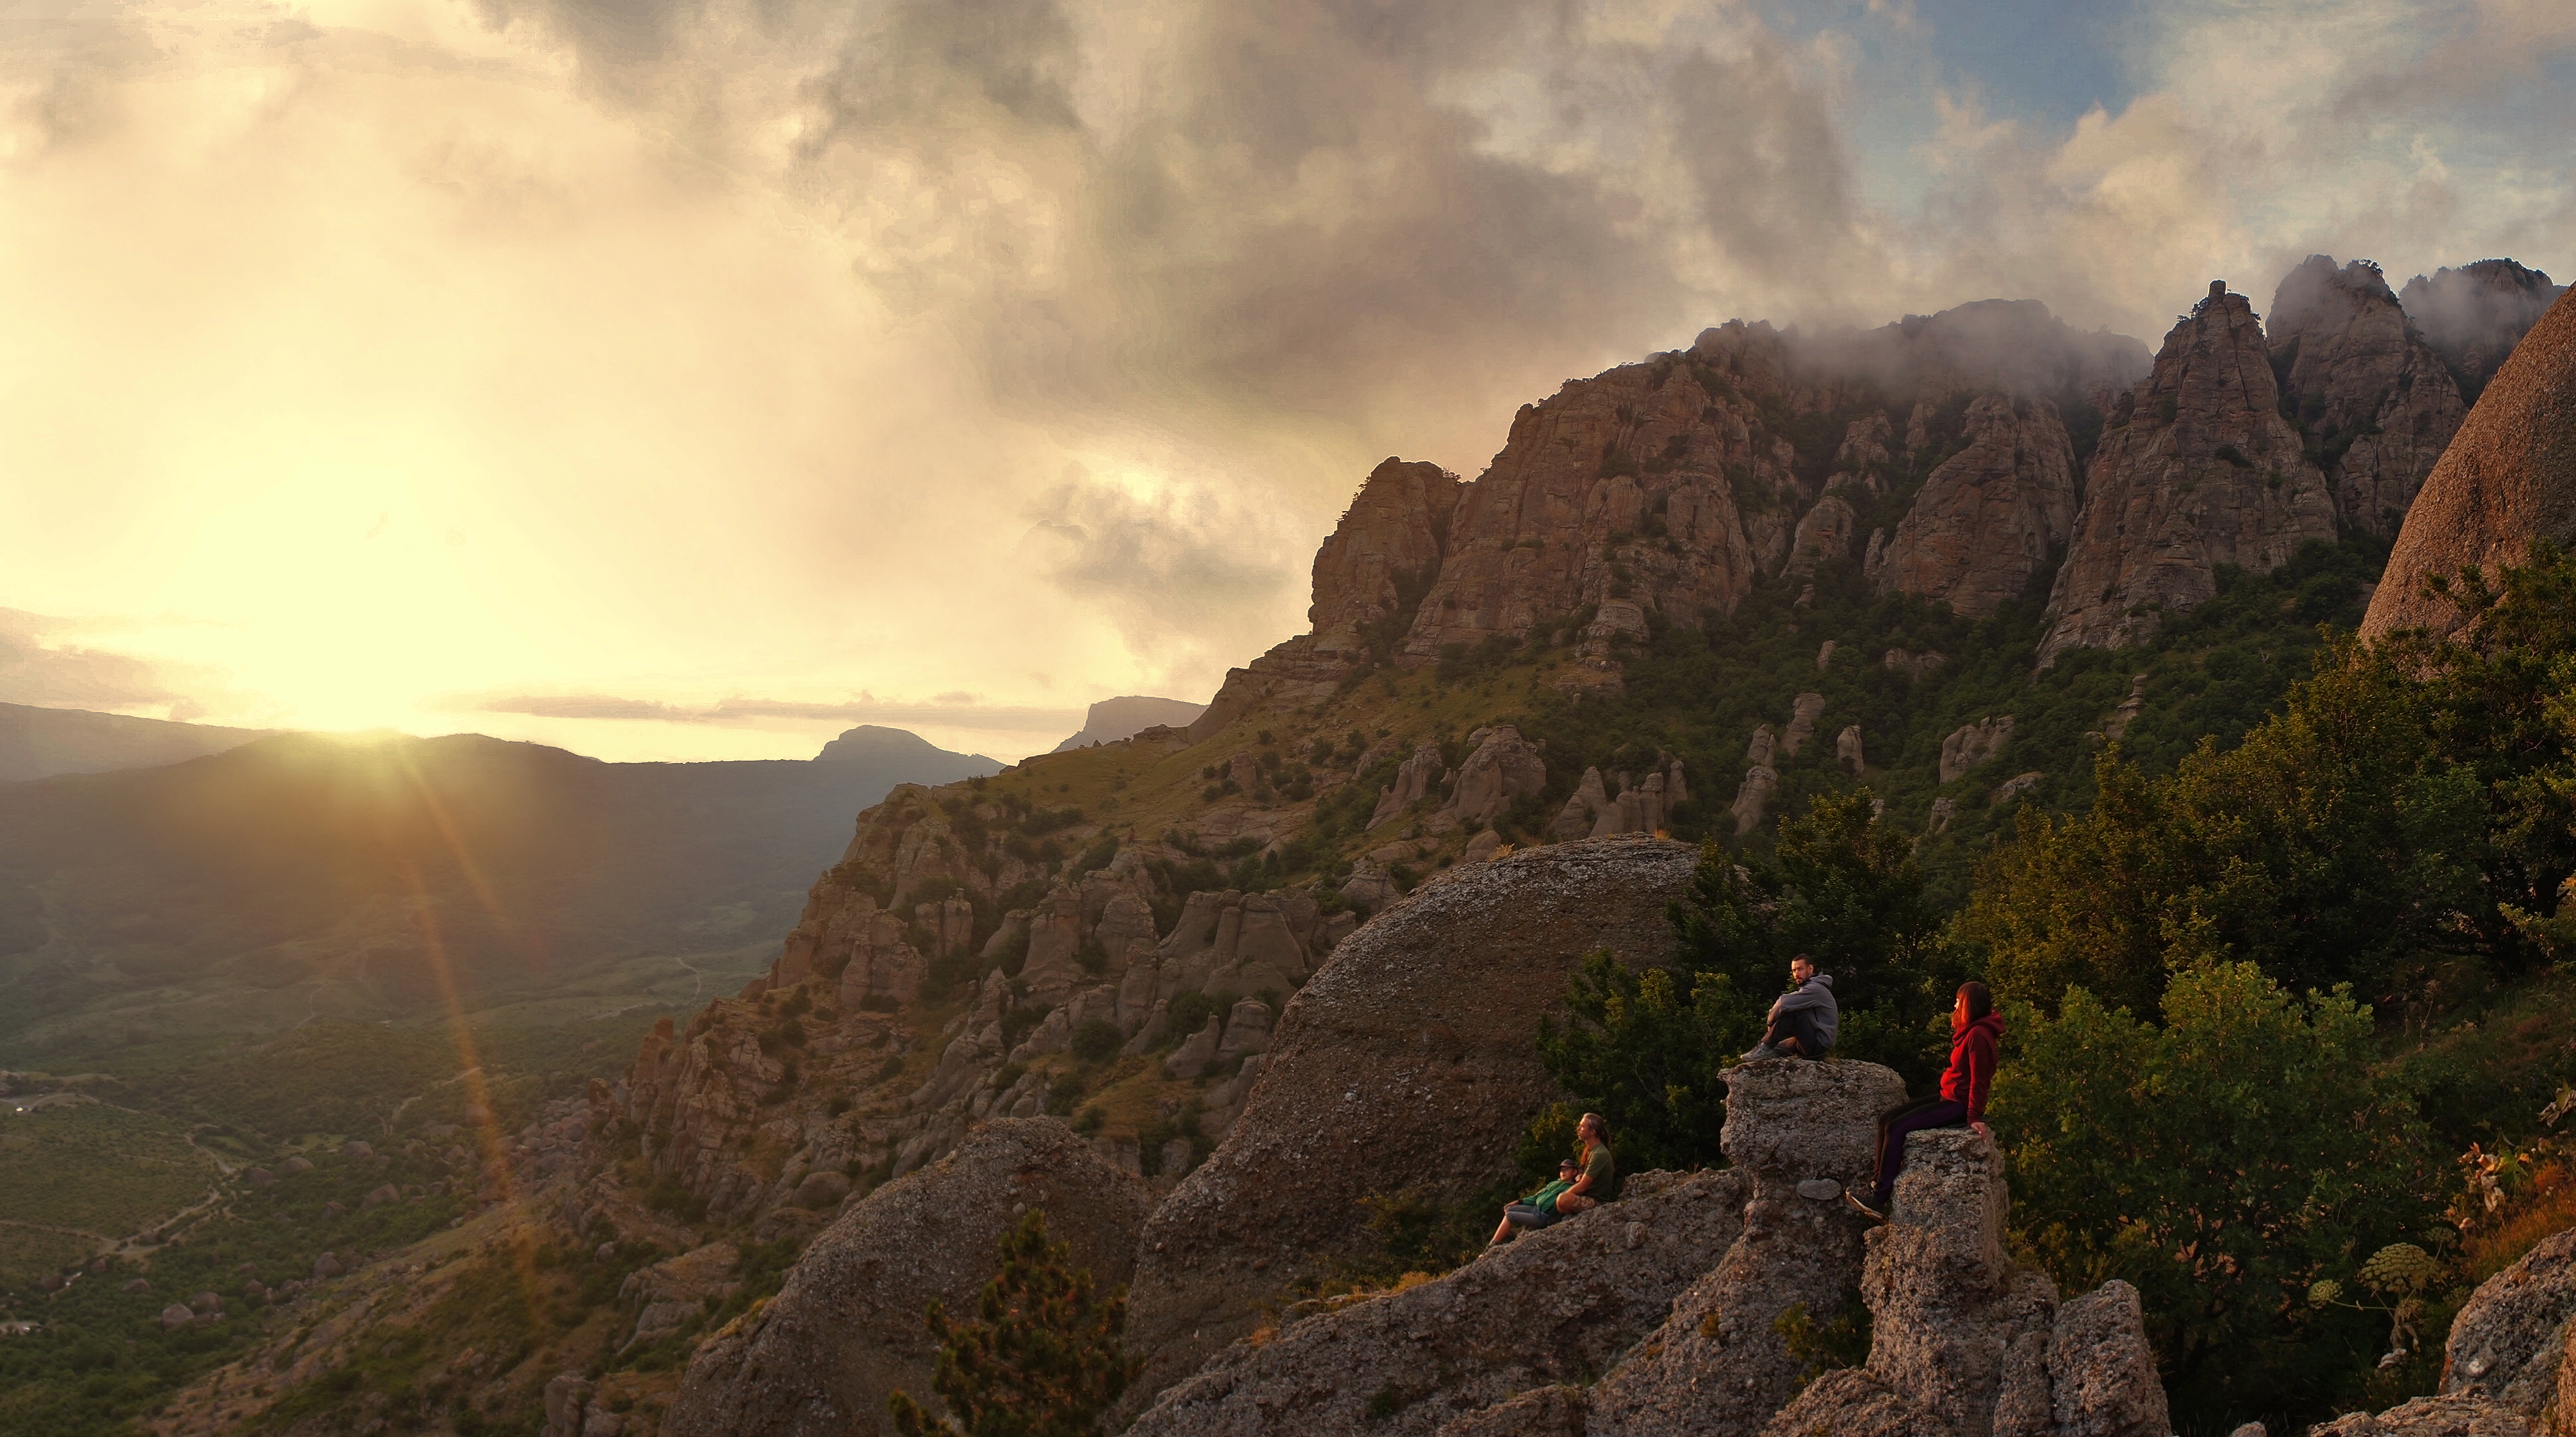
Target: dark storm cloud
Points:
(1293, 206)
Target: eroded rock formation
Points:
(819, 1359)
(2509, 478)
(2377, 402)
(1401, 1064)
(1992, 515)
(2200, 470)
(1386, 548)
(1550, 1307)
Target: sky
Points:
(691, 379)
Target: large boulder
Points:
(2509, 478)
(847, 1327)
(1408, 1061)
(1551, 1307)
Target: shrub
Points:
(1097, 1040)
(2223, 1164)
(1041, 1358)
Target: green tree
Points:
(2223, 1164)
(2336, 844)
(1646, 1048)
(1040, 1360)
(1840, 886)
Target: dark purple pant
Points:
(1896, 1123)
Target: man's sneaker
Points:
(1864, 1209)
(1761, 1050)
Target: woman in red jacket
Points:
(1974, 1030)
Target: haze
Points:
(695, 378)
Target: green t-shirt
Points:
(1545, 1198)
(1604, 1174)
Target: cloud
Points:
(953, 711)
(33, 671)
(562, 351)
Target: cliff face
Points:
(1662, 491)
(2199, 469)
(1992, 515)
(1391, 540)
(2508, 478)
(2377, 403)
(2474, 315)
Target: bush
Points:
(1041, 1358)
(1097, 1040)
(1647, 1050)
(2223, 1164)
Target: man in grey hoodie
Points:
(1804, 1020)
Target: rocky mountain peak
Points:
(2197, 468)
(2374, 400)
(2476, 314)
(1387, 546)
(1992, 515)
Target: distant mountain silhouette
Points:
(42, 742)
(1113, 719)
(400, 868)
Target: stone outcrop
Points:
(1386, 547)
(1803, 713)
(1975, 1344)
(1788, 1123)
(1553, 1306)
(2199, 469)
(2374, 399)
(2509, 478)
(2504, 1371)
(846, 1329)
(1504, 767)
(2475, 315)
(1415, 779)
(1400, 1064)
(1992, 515)
(1824, 533)
(1972, 744)
(1642, 805)
(1848, 751)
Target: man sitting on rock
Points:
(1538, 1209)
(1804, 1020)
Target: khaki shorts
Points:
(1572, 1203)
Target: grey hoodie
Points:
(1817, 993)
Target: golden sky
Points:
(693, 379)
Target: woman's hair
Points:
(1981, 1000)
(1600, 1128)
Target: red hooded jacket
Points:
(1972, 1064)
